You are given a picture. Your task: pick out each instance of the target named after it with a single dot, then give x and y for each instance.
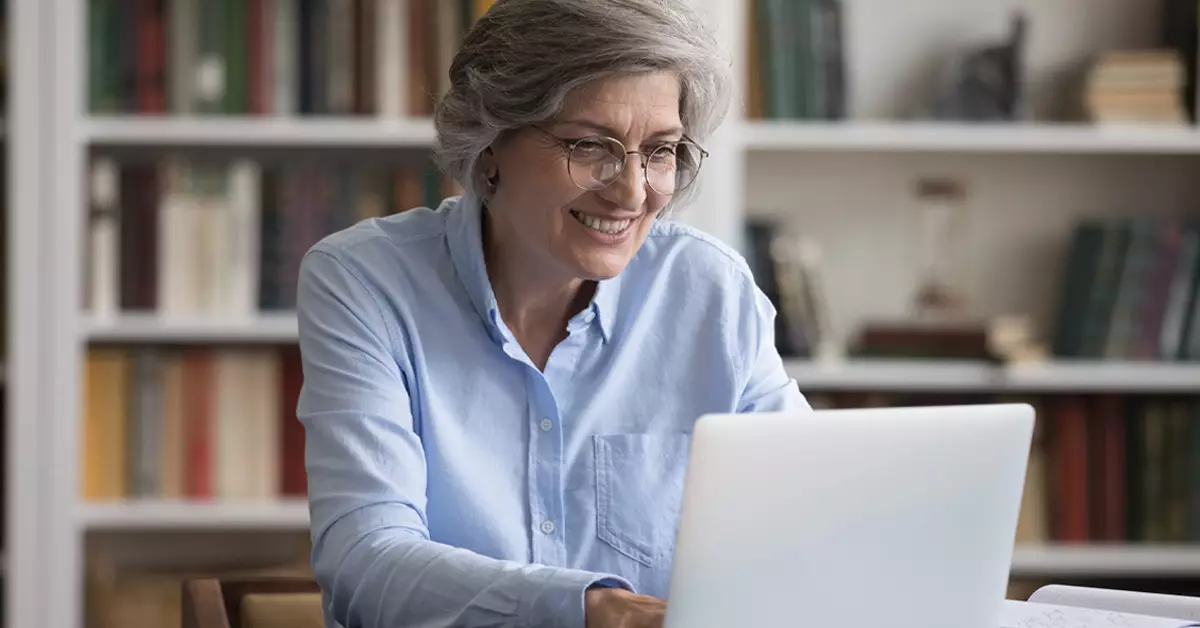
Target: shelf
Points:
(951, 376)
(898, 375)
(270, 328)
(967, 138)
(1106, 561)
(1148, 377)
(1028, 560)
(259, 131)
(160, 515)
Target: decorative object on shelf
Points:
(941, 222)
(786, 267)
(1012, 340)
(985, 83)
(923, 340)
(803, 296)
(941, 322)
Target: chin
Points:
(601, 267)
(598, 255)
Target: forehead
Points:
(645, 102)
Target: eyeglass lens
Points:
(597, 162)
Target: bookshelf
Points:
(845, 182)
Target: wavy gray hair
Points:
(519, 61)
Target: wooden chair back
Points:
(235, 602)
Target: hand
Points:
(617, 608)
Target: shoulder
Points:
(407, 240)
(365, 270)
(681, 251)
(408, 229)
(703, 281)
(379, 262)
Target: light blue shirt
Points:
(452, 483)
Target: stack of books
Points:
(1136, 87)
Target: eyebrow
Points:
(676, 130)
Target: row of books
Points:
(1129, 290)
(273, 57)
(180, 236)
(198, 423)
(1119, 469)
(786, 268)
(796, 66)
(1103, 468)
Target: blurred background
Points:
(949, 201)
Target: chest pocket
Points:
(639, 489)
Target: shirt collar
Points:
(464, 232)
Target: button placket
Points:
(546, 476)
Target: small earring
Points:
(493, 180)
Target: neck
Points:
(533, 299)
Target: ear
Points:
(490, 169)
(488, 165)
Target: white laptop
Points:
(879, 518)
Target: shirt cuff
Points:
(560, 600)
(612, 583)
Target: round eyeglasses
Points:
(596, 161)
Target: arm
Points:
(768, 386)
(367, 478)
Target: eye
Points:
(664, 154)
(590, 147)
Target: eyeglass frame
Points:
(569, 145)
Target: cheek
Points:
(541, 188)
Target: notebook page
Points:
(1018, 614)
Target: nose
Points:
(629, 190)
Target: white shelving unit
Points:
(837, 181)
(267, 328)
(951, 376)
(259, 132)
(1120, 561)
(1013, 139)
(160, 515)
(1028, 560)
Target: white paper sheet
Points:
(1018, 614)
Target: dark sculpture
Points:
(985, 85)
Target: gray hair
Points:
(520, 60)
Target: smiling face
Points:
(541, 216)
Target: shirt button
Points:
(546, 425)
(548, 527)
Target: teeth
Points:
(604, 226)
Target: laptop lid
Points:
(882, 517)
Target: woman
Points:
(498, 392)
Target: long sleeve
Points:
(768, 386)
(372, 552)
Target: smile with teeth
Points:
(603, 226)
